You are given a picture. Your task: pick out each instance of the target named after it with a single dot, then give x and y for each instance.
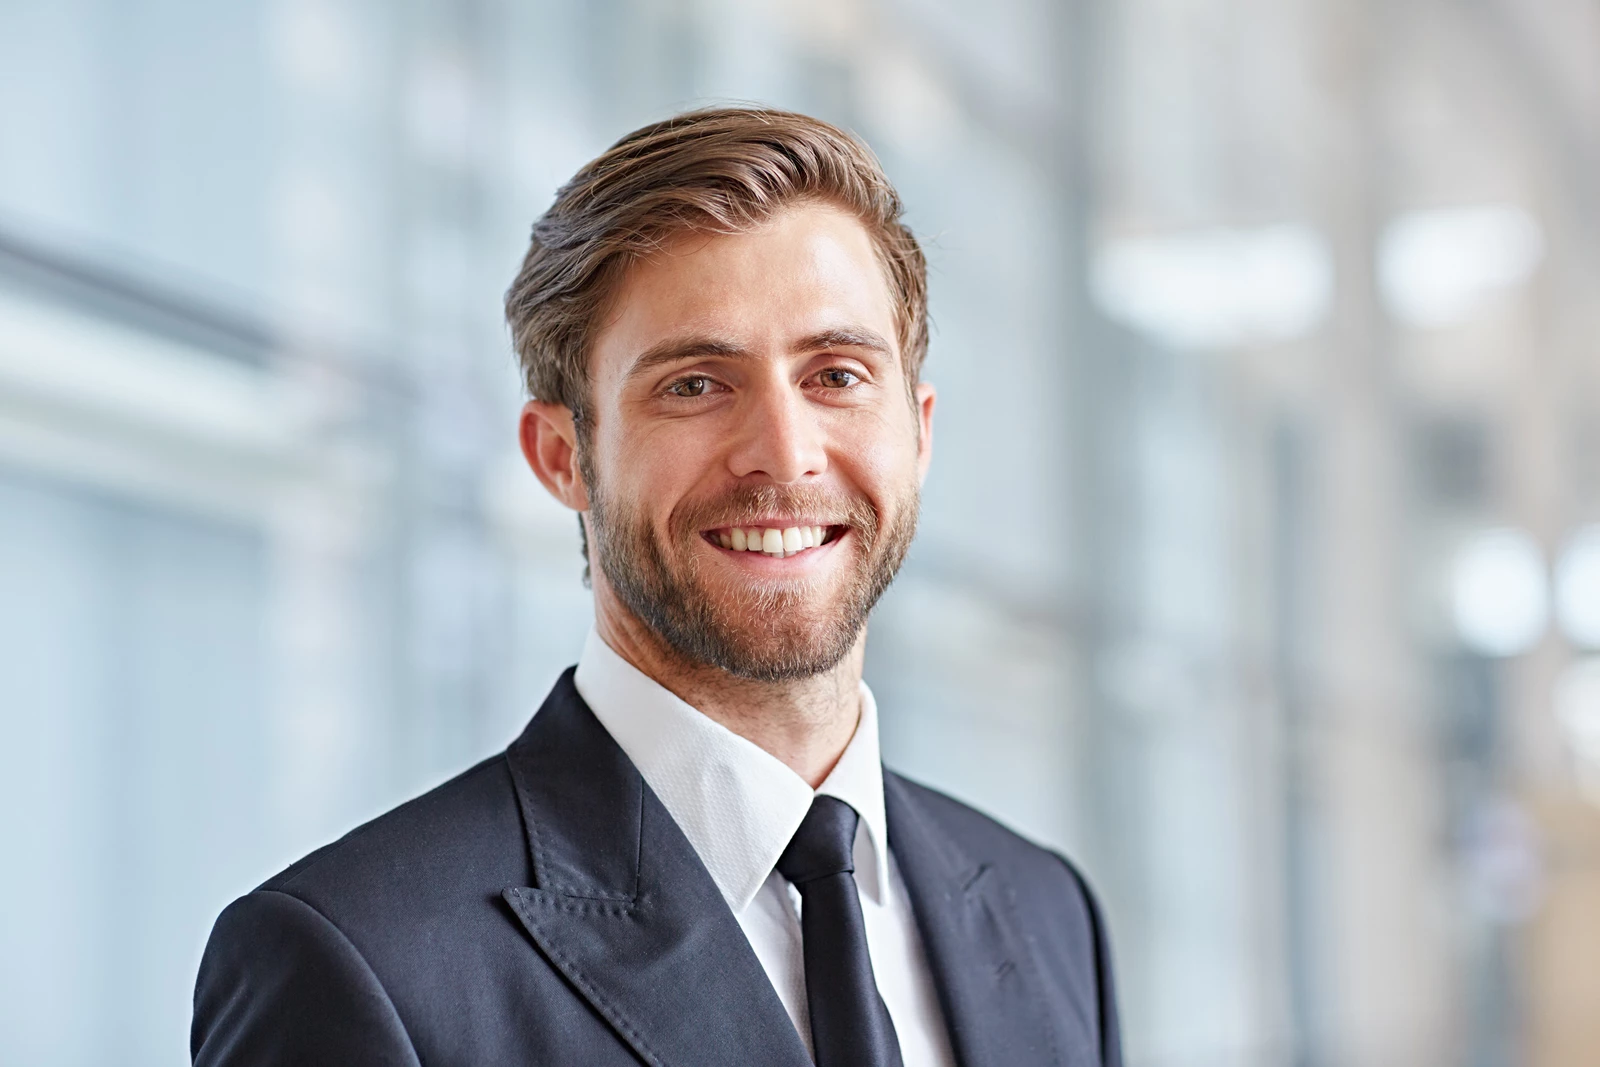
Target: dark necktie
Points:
(850, 1026)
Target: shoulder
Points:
(989, 841)
(437, 862)
(318, 963)
(1049, 893)
(279, 983)
(466, 824)
(1050, 900)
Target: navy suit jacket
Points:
(543, 908)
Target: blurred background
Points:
(1260, 563)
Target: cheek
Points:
(650, 472)
(879, 449)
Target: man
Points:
(692, 856)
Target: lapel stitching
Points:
(622, 908)
(575, 970)
(545, 872)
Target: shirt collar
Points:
(736, 803)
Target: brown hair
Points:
(719, 170)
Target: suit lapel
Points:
(624, 908)
(988, 985)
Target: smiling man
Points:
(693, 856)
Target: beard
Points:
(769, 630)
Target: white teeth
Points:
(771, 540)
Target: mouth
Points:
(777, 542)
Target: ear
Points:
(549, 440)
(924, 396)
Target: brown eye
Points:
(690, 387)
(838, 379)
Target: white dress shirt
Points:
(739, 805)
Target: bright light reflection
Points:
(1578, 589)
(1435, 266)
(1217, 288)
(1498, 595)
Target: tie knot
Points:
(824, 845)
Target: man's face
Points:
(748, 390)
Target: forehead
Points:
(810, 268)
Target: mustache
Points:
(743, 505)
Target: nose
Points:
(780, 434)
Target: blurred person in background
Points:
(693, 853)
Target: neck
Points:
(805, 722)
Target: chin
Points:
(783, 640)
(779, 636)
(788, 660)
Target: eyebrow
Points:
(846, 337)
(676, 350)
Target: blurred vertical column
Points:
(1179, 287)
(1546, 921)
(450, 606)
(1381, 952)
(327, 205)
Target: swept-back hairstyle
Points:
(718, 171)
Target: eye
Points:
(690, 387)
(837, 378)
